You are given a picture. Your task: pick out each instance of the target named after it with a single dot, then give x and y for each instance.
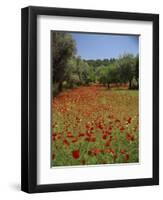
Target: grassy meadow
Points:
(93, 125)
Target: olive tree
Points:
(63, 48)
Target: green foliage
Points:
(122, 70)
(100, 62)
(78, 72)
(102, 73)
(113, 74)
(126, 65)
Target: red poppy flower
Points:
(81, 134)
(89, 134)
(107, 150)
(76, 154)
(74, 140)
(129, 120)
(126, 157)
(66, 142)
(100, 127)
(87, 126)
(94, 152)
(107, 143)
(129, 137)
(121, 129)
(69, 134)
(54, 134)
(90, 139)
(111, 137)
(122, 151)
(93, 139)
(108, 132)
(104, 136)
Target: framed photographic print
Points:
(90, 99)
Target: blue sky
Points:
(100, 46)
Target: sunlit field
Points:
(95, 125)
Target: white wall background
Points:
(10, 86)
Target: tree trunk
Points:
(108, 85)
(60, 87)
(130, 84)
(137, 83)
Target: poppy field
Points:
(95, 125)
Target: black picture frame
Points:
(29, 99)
